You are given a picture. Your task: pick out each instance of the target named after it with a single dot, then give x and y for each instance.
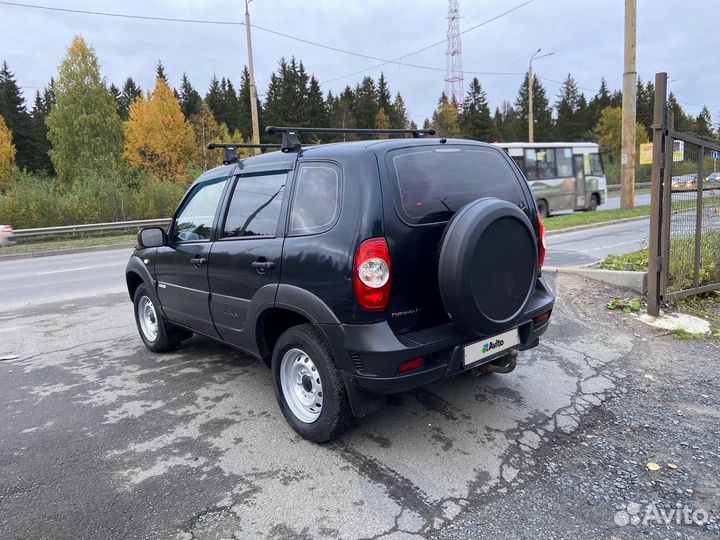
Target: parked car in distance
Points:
(7, 236)
(712, 179)
(354, 270)
(684, 182)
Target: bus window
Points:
(595, 168)
(540, 163)
(530, 167)
(564, 162)
(519, 162)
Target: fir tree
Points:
(366, 103)
(475, 119)
(571, 112)
(541, 111)
(17, 119)
(190, 100)
(130, 92)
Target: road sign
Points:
(646, 151)
(715, 154)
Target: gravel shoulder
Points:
(594, 482)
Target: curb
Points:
(636, 281)
(64, 251)
(596, 225)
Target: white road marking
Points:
(76, 269)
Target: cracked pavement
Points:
(104, 439)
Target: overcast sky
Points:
(585, 35)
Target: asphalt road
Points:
(102, 439)
(27, 282)
(613, 202)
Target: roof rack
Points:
(291, 142)
(230, 150)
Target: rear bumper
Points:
(370, 355)
(7, 241)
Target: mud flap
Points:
(362, 403)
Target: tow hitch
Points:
(504, 364)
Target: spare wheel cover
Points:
(488, 265)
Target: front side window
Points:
(255, 206)
(595, 165)
(435, 182)
(195, 220)
(316, 203)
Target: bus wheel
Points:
(542, 208)
(593, 204)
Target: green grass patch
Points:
(637, 261)
(565, 221)
(52, 245)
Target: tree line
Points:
(80, 129)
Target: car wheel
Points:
(157, 334)
(542, 208)
(308, 385)
(594, 202)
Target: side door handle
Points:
(198, 261)
(262, 265)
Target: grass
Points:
(67, 243)
(565, 221)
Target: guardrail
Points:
(90, 227)
(638, 185)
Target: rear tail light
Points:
(542, 318)
(415, 363)
(371, 274)
(541, 247)
(6, 229)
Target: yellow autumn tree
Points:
(7, 156)
(207, 130)
(158, 138)
(382, 121)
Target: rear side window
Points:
(433, 183)
(316, 203)
(255, 206)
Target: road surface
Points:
(26, 282)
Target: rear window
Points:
(433, 183)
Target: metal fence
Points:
(684, 256)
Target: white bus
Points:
(562, 176)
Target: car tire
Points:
(308, 385)
(157, 334)
(594, 202)
(542, 208)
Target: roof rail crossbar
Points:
(230, 149)
(291, 142)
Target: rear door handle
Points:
(198, 261)
(262, 265)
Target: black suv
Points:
(353, 270)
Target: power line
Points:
(274, 32)
(121, 15)
(435, 44)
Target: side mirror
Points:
(152, 237)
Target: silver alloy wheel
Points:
(301, 385)
(148, 318)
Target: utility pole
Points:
(531, 119)
(253, 88)
(628, 152)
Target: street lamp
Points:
(530, 92)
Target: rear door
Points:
(247, 254)
(428, 185)
(181, 267)
(580, 189)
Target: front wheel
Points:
(594, 202)
(156, 333)
(308, 385)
